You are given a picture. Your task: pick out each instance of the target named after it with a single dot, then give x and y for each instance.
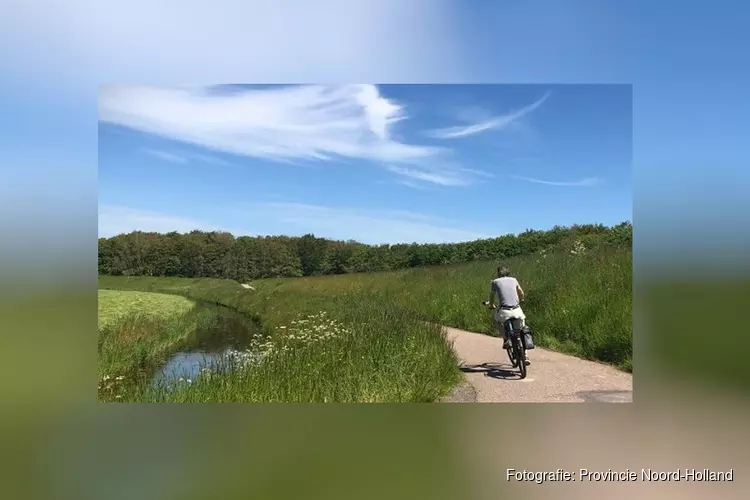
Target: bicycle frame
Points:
(513, 334)
(516, 348)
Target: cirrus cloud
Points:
(490, 124)
(284, 124)
(279, 123)
(585, 182)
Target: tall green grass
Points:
(138, 331)
(132, 346)
(358, 362)
(382, 352)
(577, 302)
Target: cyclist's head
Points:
(502, 272)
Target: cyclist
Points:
(509, 295)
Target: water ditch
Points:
(228, 336)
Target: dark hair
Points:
(503, 271)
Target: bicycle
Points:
(515, 348)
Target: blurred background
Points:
(690, 272)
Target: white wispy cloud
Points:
(585, 182)
(489, 124)
(480, 173)
(184, 157)
(342, 223)
(286, 124)
(410, 184)
(165, 155)
(433, 176)
(114, 220)
(444, 174)
(366, 226)
(211, 159)
(290, 122)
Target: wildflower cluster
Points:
(176, 383)
(312, 329)
(111, 387)
(251, 356)
(300, 333)
(578, 248)
(542, 254)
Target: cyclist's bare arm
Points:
(491, 302)
(519, 290)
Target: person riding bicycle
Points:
(509, 295)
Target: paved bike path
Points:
(552, 377)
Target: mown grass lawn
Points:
(117, 304)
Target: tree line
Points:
(221, 255)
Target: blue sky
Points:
(374, 163)
(691, 113)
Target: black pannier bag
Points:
(528, 340)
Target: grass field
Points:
(352, 350)
(579, 303)
(139, 330)
(117, 304)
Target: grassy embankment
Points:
(138, 331)
(357, 350)
(380, 349)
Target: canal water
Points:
(230, 334)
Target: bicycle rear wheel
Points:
(511, 356)
(509, 335)
(519, 354)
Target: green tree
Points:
(221, 255)
(312, 254)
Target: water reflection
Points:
(229, 334)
